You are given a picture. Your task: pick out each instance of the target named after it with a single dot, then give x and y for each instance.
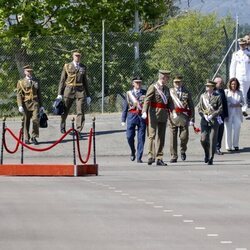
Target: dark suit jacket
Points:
(224, 113)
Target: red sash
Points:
(183, 110)
(158, 105)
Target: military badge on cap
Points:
(177, 79)
(242, 41)
(136, 79)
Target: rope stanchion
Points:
(22, 137)
(94, 145)
(2, 143)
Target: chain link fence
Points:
(47, 55)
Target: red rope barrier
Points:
(89, 148)
(51, 146)
(38, 149)
(17, 144)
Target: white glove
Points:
(123, 124)
(210, 117)
(144, 115)
(20, 109)
(88, 100)
(42, 110)
(191, 123)
(59, 97)
(206, 118)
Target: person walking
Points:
(29, 103)
(156, 104)
(240, 68)
(132, 111)
(219, 90)
(210, 109)
(181, 117)
(235, 101)
(73, 86)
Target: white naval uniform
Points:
(240, 68)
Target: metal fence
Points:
(47, 55)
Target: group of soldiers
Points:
(73, 86)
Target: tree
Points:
(192, 45)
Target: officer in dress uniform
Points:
(74, 86)
(181, 117)
(132, 110)
(29, 103)
(240, 68)
(156, 104)
(219, 90)
(210, 109)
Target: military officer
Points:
(132, 110)
(210, 109)
(181, 117)
(240, 68)
(74, 86)
(155, 107)
(29, 103)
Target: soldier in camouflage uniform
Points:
(156, 104)
(74, 86)
(181, 117)
(29, 103)
(210, 109)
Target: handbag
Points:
(58, 107)
(43, 120)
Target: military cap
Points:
(137, 79)
(27, 67)
(162, 71)
(242, 41)
(76, 53)
(177, 79)
(210, 83)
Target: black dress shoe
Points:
(218, 152)
(173, 160)
(34, 141)
(63, 131)
(206, 159)
(150, 161)
(139, 161)
(244, 113)
(132, 157)
(210, 162)
(236, 148)
(27, 141)
(183, 156)
(161, 163)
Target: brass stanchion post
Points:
(3, 133)
(94, 145)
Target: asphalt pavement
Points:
(186, 205)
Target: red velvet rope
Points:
(49, 147)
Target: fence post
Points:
(74, 145)
(22, 129)
(94, 145)
(3, 132)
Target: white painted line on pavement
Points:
(200, 228)
(177, 215)
(118, 191)
(226, 242)
(212, 235)
(140, 199)
(149, 202)
(124, 194)
(188, 221)
(167, 211)
(240, 248)
(132, 197)
(158, 206)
